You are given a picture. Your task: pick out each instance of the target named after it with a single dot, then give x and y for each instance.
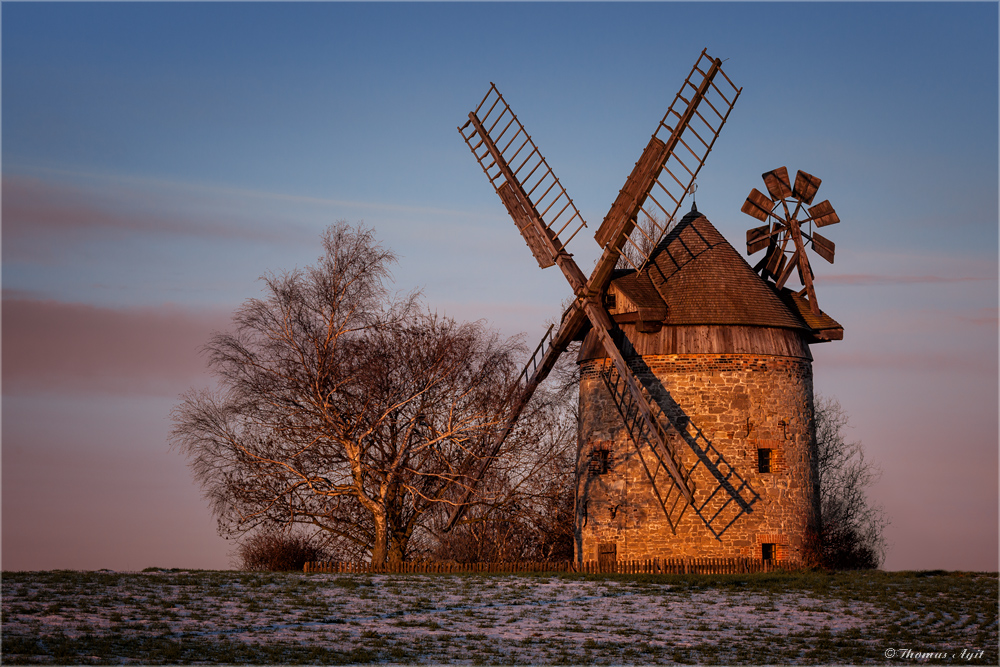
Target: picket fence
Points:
(648, 566)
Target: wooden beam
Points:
(601, 322)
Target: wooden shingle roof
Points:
(702, 279)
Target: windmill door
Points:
(607, 556)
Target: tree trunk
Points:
(389, 547)
(380, 547)
(396, 551)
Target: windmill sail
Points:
(668, 493)
(729, 498)
(644, 406)
(536, 200)
(542, 210)
(671, 161)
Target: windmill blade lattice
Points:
(521, 177)
(790, 219)
(538, 367)
(729, 495)
(668, 166)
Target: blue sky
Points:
(158, 158)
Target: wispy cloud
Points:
(938, 361)
(39, 207)
(127, 187)
(52, 346)
(987, 316)
(48, 214)
(867, 279)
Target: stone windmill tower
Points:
(725, 356)
(696, 434)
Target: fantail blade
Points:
(758, 205)
(758, 238)
(823, 214)
(824, 247)
(776, 262)
(777, 183)
(806, 186)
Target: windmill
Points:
(785, 236)
(545, 215)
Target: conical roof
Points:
(702, 279)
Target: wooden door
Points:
(607, 556)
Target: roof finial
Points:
(694, 203)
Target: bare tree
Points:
(524, 507)
(852, 528)
(341, 407)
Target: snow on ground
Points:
(456, 618)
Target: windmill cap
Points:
(702, 279)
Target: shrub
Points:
(278, 552)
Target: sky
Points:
(157, 159)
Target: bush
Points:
(847, 546)
(278, 552)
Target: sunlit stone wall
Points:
(735, 404)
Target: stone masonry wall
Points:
(726, 407)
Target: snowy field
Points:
(164, 616)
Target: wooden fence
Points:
(648, 566)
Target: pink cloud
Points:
(987, 316)
(51, 346)
(63, 201)
(913, 360)
(35, 207)
(874, 279)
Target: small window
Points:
(768, 551)
(763, 460)
(600, 461)
(610, 301)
